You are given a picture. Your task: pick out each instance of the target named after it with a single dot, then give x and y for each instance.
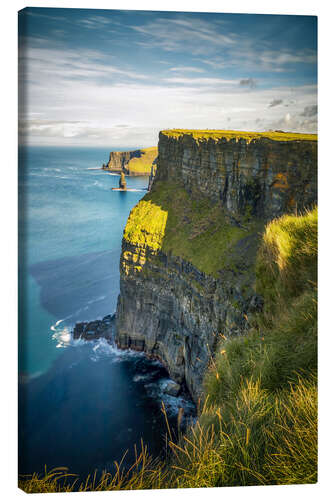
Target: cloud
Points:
(95, 22)
(248, 82)
(200, 81)
(82, 112)
(37, 63)
(76, 95)
(274, 58)
(191, 69)
(247, 55)
(310, 111)
(275, 102)
(190, 34)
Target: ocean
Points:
(82, 405)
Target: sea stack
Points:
(122, 181)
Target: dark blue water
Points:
(81, 404)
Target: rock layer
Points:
(174, 306)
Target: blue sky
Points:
(115, 78)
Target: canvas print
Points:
(167, 250)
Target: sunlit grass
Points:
(146, 225)
(145, 473)
(287, 261)
(144, 163)
(237, 135)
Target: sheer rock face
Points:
(266, 177)
(169, 308)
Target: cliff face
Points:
(264, 176)
(138, 162)
(189, 247)
(119, 159)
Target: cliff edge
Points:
(189, 246)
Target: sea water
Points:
(82, 405)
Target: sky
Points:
(116, 78)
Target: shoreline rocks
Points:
(172, 389)
(94, 330)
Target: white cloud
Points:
(250, 57)
(200, 81)
(79, 97)
(191, 69)
(195, 35)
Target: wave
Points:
(99, 184)
(172, 404)
(151, 381)
(24, 378)
(94, 168)
(137, 190)
(50, 169)
(63, 334)
(102, 348)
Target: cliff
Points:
(138, 162)
(189, 246)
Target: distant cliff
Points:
(189, 246)
(138, 162)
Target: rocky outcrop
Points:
(189, 247)
(138, 162)
(94, 330)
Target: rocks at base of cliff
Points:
(172, 389)
(94, 330)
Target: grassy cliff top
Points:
(237, 134)
(196, 230)
(144, 163)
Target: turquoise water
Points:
(70, 228)
(81, 404)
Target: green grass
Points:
(237, 135)
(258, 417)
(196, 230)
(144, 163)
